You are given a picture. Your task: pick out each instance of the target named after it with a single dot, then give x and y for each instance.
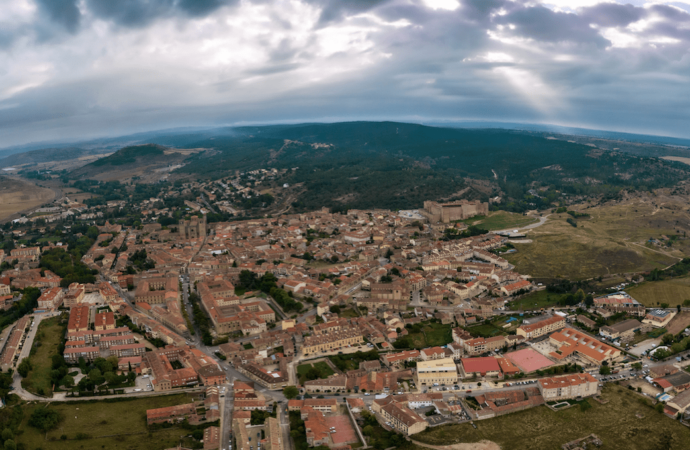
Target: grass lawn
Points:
(673, 291)
(348, 313)
(48, 337)
(540, 428)
(324, 369)
(485, 330)
(430, 335)
(500, 220)
(101, 418)
(49, 239)
(438, 334)
(535, 300)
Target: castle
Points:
(448, 212)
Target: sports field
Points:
(529, 360)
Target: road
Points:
(542, 221)
(24, 353)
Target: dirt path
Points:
(657, 251)
(481, 445)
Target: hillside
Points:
(398, 165)
(150, 162)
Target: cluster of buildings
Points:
(174, 367)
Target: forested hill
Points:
(399, 165)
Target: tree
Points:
(678, 307)
(664, 305)
(335, 309)
(67, 381)
(605, 370)
(96, 377)
(667, 339)
(10, 445)
(7, 434)
(368, 430)
(580, 296)
(290, 392)
(24, 367)
(45, 419)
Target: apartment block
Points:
(78, 319)
(542, 327)
(568, 386)
(330, 342)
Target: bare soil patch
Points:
(679, 323)
(17, 195)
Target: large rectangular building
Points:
(448, 212)
(78, 319)
(330, 342)
(439, 371)
(568, 386)
(542, 327)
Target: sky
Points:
(78, 69)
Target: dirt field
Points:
(679, 323)
(677, 158)
(17, 195)
(613, 240)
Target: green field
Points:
(324, 370)
(48, 337)
(495, 328)
(501, 220)
(652, 293)
(426, 335)
(535, 300)
(348, 313)
(542, 429)
(104, 418)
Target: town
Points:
(317, 329)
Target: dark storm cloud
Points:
(62, 74)
(612, 14)
(62, 12)
(334, 10)
(139, 13)
(545, 25)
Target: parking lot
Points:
(644, 346)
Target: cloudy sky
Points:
(74, 69)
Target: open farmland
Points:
(612, 240)
(123, 422)
(18, 195)
(652, 293)
(540, 428)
